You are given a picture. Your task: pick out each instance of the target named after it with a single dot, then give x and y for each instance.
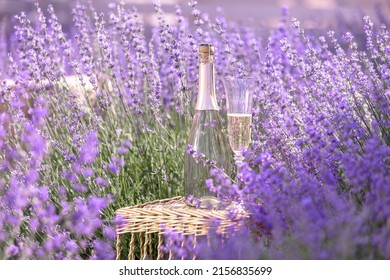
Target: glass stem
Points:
(238, 157)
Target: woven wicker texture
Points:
(141, 221)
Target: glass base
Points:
(205, 202)
(209, 202)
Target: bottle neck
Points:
(206, 92)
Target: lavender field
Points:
(96, 118)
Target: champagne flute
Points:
(239, 100)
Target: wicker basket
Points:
(142, 221)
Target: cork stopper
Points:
(206, 48)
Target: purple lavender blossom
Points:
(101, 182)
(89, 151)
(11, 251)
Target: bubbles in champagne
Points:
(239, 130)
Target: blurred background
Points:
(314, 14)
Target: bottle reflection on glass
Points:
(206, 135)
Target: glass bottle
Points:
(206, 135)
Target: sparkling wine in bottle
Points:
(206, 135)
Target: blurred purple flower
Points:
(11, 251)
(89, 151)
(101, 182)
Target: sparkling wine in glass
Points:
(239, 113)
